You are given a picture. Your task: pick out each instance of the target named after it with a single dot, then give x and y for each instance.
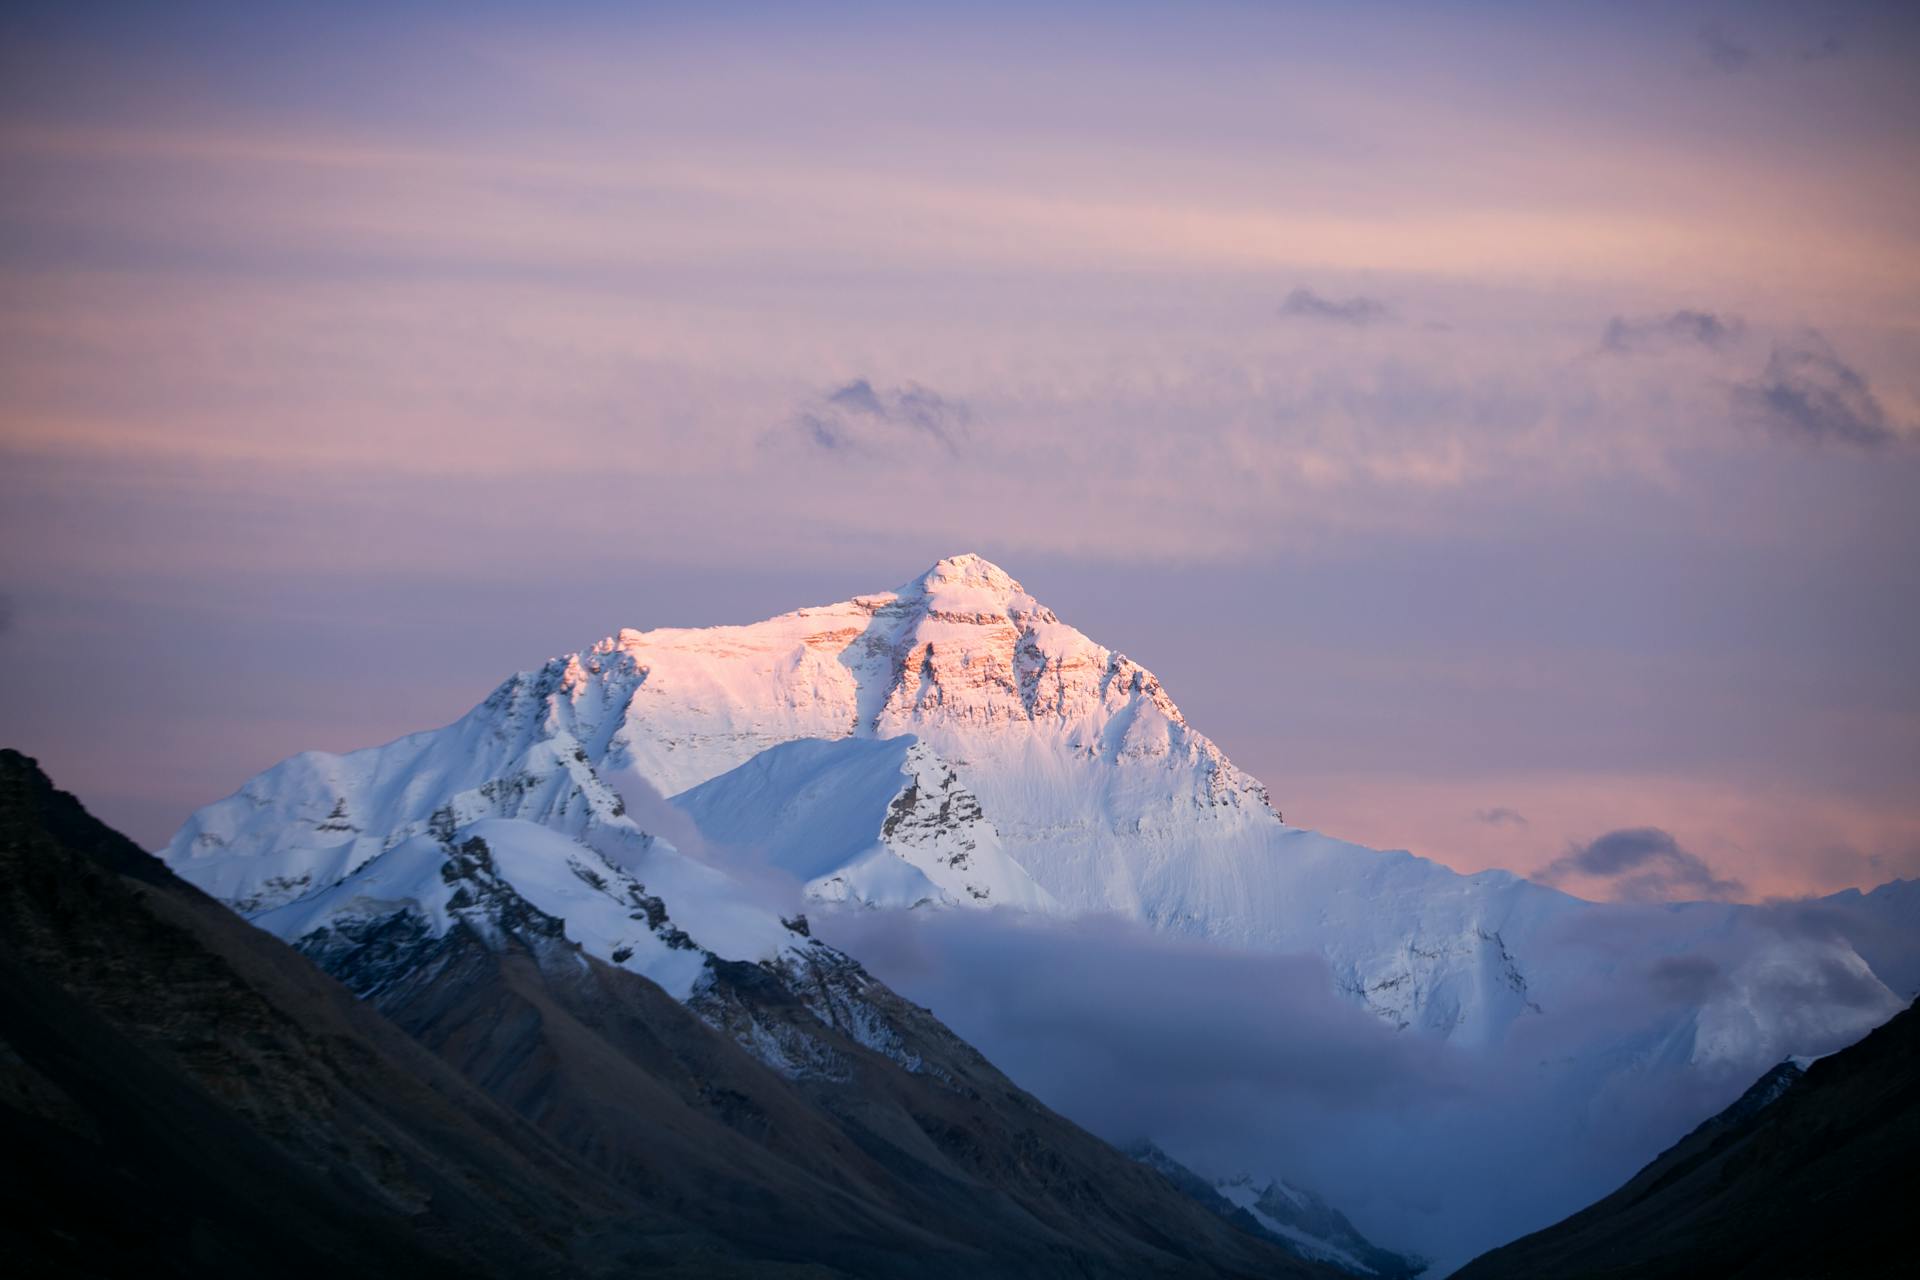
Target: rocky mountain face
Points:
(1810, 1174)
(187, 1095)
(864, 822)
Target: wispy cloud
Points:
(856, 416)
(1641, 864)
(1827, 46)
(1685, 327)
(1500, 817)
(1808, 392)
(1723, 50)
(1305, 304)
(1687, 979)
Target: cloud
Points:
(1688, 979)
(858, 397)
(1500, 817)
(1103, 971)
(1643, 864)
(857, 416)
(1828, 46)
(1809, 392)
(1242, 1062)
(1676, 328)
(1305, 304)
(1723, 50)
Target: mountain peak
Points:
(967, 571)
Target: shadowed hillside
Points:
(182, 1094)
(1807, 1175)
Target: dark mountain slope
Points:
(1802, 1177)
(181, 1094)
(940, 1167)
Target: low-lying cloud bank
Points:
(1239, 1062)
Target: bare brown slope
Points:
(1821, 1182)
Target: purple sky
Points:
(1497, 429)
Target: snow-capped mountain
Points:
(949, 743)
(1314, 1229)
(322, 839)
(1296, 1219)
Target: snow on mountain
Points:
(878, 822)
(321, 838)
(1311, 1227)
(961, 657)
(1297, 1220)
(1882, 926)
(949, 743)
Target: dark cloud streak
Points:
(858, 397)
(1642, 864)
(1723, 50)
(1685, 327)
(1304, 303)
(1809, 393)
(858, 417)
(1828, 46)
(1500, 816)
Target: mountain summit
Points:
(968, 571)
(948, 743)
(961, 656)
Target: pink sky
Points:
(347, 367)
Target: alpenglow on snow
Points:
(951, 744)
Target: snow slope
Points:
(322, 839)
(880, 822)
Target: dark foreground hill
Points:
(182, 1094)
(1808, 1175)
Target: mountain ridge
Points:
(497, 1102)
(1086, 791)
